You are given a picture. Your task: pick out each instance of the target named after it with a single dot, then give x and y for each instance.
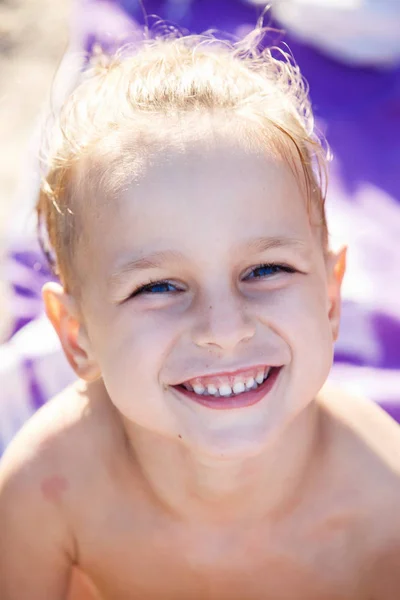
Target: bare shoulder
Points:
(48, 476)
(362, 430)
(364, 451)
(52, 455)
(33, 485)
(365, 444)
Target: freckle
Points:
(53, 488)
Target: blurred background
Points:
(33, 39)
(349, 52)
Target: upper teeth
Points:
(199, 389)
(238, 386)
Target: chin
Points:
(228, 445)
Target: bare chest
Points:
(153, 560)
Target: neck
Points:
(197, 487)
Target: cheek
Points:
(131, 354)
(144, 335)
(299, 314)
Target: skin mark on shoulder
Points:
(53, 488)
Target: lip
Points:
(240, 401)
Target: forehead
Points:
(209, 195)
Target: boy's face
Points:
(182, 286)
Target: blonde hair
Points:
(165, 78)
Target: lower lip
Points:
(240, 401)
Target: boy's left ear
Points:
(336, 268)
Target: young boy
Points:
(200, 454)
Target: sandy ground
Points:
(33, 37)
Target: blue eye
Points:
(156, 288)
(159, 287)
(267, 270)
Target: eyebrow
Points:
(262, 244)
(154, 260)
(158, 259)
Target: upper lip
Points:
(228, 372)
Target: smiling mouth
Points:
(234, 392)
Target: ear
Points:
(336, 268)
(64, 315)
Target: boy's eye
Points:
(268, 270)
(156, 287)
(166, 287)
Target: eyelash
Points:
(157, 282)
(152, 283)
(281, 267)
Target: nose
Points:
(222, 323)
